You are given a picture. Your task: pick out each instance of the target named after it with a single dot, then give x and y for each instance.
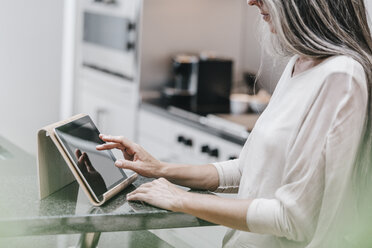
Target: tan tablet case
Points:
(55, 166)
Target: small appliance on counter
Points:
(200, 84)
(183, 86)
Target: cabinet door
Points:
(110, 118)
(155, 135)
(206, 237)
(112, 106)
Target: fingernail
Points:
(118, 163)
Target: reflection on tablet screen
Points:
(97, 167)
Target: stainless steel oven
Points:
(109, 36)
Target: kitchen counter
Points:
(68, 211)
(216, 124)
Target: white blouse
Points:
(297, 162)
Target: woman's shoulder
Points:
(343, 64)
(347, 66)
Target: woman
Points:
(295, 172)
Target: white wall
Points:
(192, 26)
(30, 62)
(250, 48)
(230, 28)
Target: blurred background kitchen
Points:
(60, 57)
(176, 76)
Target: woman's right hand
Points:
(136, 158)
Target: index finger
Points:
(117, 139)
(77, 153)
(109, 146)
(88, 164)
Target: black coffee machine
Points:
(184, 81)
(201, 84)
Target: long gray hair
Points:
(324, 28)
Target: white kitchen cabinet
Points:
(110, 102)
(160, 135)
(193, 237)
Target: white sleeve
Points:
(319, 164)
(229, 176)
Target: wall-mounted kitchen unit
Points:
(107, 65)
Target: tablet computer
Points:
(79, 139)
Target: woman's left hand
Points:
(160, 193)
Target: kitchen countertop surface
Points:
(245, 121)
(68, 211)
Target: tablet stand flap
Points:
(53, 172)
(53, 165)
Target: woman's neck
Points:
(304, 63)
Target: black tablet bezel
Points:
(76, 124)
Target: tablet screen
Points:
(80, 139)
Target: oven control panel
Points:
(174, 141)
